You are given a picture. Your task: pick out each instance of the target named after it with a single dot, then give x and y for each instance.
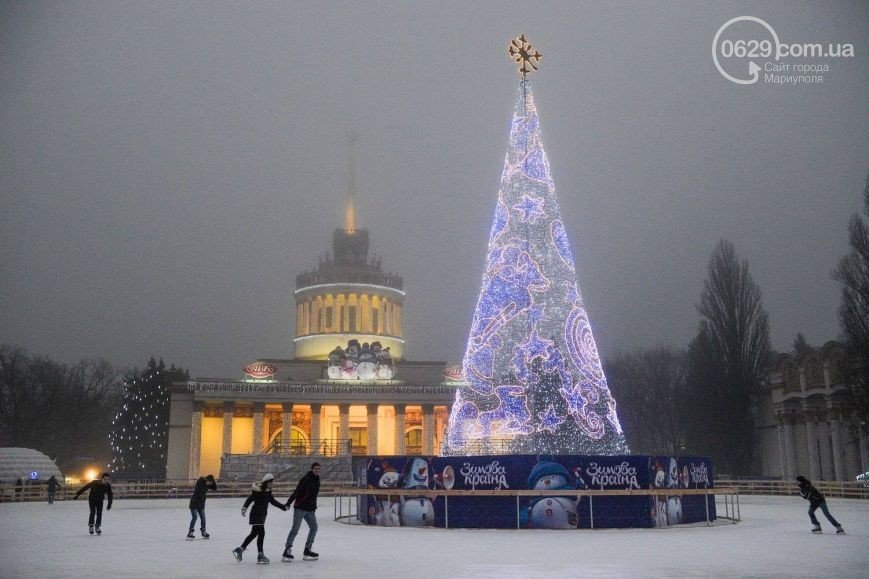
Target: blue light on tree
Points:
(533, 378)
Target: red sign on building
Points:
(260, 371)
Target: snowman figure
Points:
(348, 369)
(416, 511)
(385, 368)
(388, 507)
(551, 512)
(336, 361)
(659, 502)
(367, 368)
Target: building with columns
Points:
(347, 391)
(804, 421)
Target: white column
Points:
(228, 411)
(400, 427)
(852, 447)
(782, 451)
(372, 429)
(790, 453)
(838, 450)
(257, 442)
(315, 428)
(812, 442)
(864, 451)
(428, 429)
(827, 472)
(287, 426)
(343, 429)
(195, 440)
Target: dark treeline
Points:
(62, 410)
(700, 400)
(853, 274)
(88, 413)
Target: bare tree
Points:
(853, 274)
(728, 360)
(649, 385)
(62, 410)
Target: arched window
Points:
(299, 442)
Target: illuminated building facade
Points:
(347, 391)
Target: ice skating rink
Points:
(147, 539)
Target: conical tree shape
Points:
(533, 379)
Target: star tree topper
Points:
(520, 51)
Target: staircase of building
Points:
(334, 470)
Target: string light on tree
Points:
(533, 378)
(140, 428)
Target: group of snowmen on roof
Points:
(362, 362)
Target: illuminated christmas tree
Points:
(533, 378)
(140, 432)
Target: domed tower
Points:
(348, 297)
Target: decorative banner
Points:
(260, 371)
(395, 474)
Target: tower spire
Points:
(350, 210)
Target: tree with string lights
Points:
(533, 378)
(140, 431)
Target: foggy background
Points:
(166, 169)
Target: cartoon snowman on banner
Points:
(551, 512)
(659, 502)
(674, 502)
(387, 511)
(416, 511)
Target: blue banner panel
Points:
(401, 474)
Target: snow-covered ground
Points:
(147, 539)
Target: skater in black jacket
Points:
(52, 488)
(816, 499)
(197, 504)
(260, 496)
(305, 497)
(98, 491)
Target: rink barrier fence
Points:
(728, 497)
(158, 490)
(183, 489)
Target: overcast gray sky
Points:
(167, 168)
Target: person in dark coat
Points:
(305, 497)
(99, 489)
(816, 499)
(52, 488)
(197, 504)
(19, 484)
(261, 497)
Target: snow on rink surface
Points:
(147, 539)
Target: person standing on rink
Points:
(52, 488)
(261, 497)
(197, 504)
(305, 496)
(98, 491)
(816, 499)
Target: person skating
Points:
(305, 497)
(260, 496)
(197, 504)
(52, 488)
(99, 489)
(816, 499)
